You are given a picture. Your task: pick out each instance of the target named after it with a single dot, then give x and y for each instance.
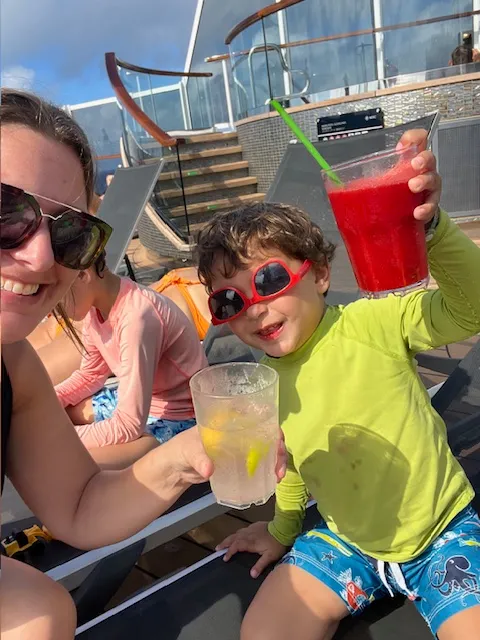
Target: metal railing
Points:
(265, 62)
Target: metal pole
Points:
(228, 94)
(184, 197)
(476, 25)
(283, 33)
(184, 101)
(270, 91)
(380, 57)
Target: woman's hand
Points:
(188, 457)
(428, 179)
(192, 464)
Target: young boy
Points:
(361, 434)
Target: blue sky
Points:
(56, 47)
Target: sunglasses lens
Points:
(76, 241)
(225, 304)
(271, 279)
(19, 217)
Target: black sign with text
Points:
(347, 125)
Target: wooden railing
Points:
(112, 63)
(257, 16)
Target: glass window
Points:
(412, 10)
(332, 64)
(424, 47)
(317, 18)
(103, 125)
(257, 73)
(218, 17)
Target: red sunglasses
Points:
(270, 280)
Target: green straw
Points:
(305, 141)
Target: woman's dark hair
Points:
(28, 110)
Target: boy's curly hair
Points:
(237, 236)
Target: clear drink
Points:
(236, 407)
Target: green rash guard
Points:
(361, 434)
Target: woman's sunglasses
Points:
(77, 237)
(270, 280)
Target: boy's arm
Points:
(291, 501)
(452, 312)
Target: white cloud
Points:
(18, 77)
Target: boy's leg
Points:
(33, 605)
(462, 626)
(319, 582)
(446, 580)
(291, 603)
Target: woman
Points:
(45, 240)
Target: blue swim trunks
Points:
(105, 402)
(442, 581)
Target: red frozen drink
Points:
(374, 214)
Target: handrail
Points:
(131, 106)
(159, 72)
(351, 34)
(257, 16)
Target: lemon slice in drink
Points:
(255, 455)
(212, 439)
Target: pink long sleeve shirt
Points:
(150, 345)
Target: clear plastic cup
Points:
(236, 407)
(374, 213)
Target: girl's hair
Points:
(28, 110)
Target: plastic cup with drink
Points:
(236, 406)
(373, 207)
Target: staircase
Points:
(215, 178)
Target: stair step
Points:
(210, 137)
(207, 153)
(204, 171)
(209, 186)
(214, 205)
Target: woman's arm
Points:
(63, 486)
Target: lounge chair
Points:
(208, 600)
(122, 206)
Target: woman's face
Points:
(43, 166)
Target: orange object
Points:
(175, 278)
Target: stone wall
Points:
(264, 139)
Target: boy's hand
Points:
(428, 179)
(254, 539)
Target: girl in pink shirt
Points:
(148, 343)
